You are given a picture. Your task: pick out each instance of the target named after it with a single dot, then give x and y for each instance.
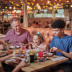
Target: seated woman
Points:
(37, 42)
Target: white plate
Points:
(12, 47)
(10, 60)
(50, 54)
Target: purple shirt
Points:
(15, 39)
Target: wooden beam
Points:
(25, 15)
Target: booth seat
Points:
(47, 33)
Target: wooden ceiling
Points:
(42, 3)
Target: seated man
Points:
(17, 34)
(61, 44)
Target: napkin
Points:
(58, 58)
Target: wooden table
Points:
(41, 65)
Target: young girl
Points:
(37, 42)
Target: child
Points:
(37, 42)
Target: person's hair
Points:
(58, 24)
(14, 19)
(40, 37)
(36, 23)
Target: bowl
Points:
(49, 54)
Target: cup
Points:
(31, 57)
(40, 53)
(23, 48)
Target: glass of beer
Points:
(31, 57)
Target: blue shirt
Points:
(64, 43)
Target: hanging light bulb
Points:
(14, 7)
(6, 7)
(71, 6)
(10, 7)
(48, 2)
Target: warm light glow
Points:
(21, 2)
(32, 4)
(54, 9)
(71, 5)
(48, 2)
(55, 0)
(12, 2)
(3, 9)
(14, 7)
(10, 7)
(29, 8)
(66, 5)
(50, 8)
(43, 4)
(17, 4)
(61, 3)
(21, 7)
(54, 3)
(38, 6)
(34, 8)
(46, 6)
(33, 0)
(62, 7)
(35, 11)
(28, 3)
(67, 1)
(6, 7)
(59, 0)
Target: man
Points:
(17, 35)
(61, 44)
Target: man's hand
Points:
(54, 49)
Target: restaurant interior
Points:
(36, 16)
(43, 12)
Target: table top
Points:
(40, 65)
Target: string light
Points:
(10, 7)
(71, 6)
(33, 0)
(67, 1)
(6, 7)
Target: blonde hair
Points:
(41, 38)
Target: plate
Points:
(49, 54)
(10, 60)
(2, 53)
(12, 47)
